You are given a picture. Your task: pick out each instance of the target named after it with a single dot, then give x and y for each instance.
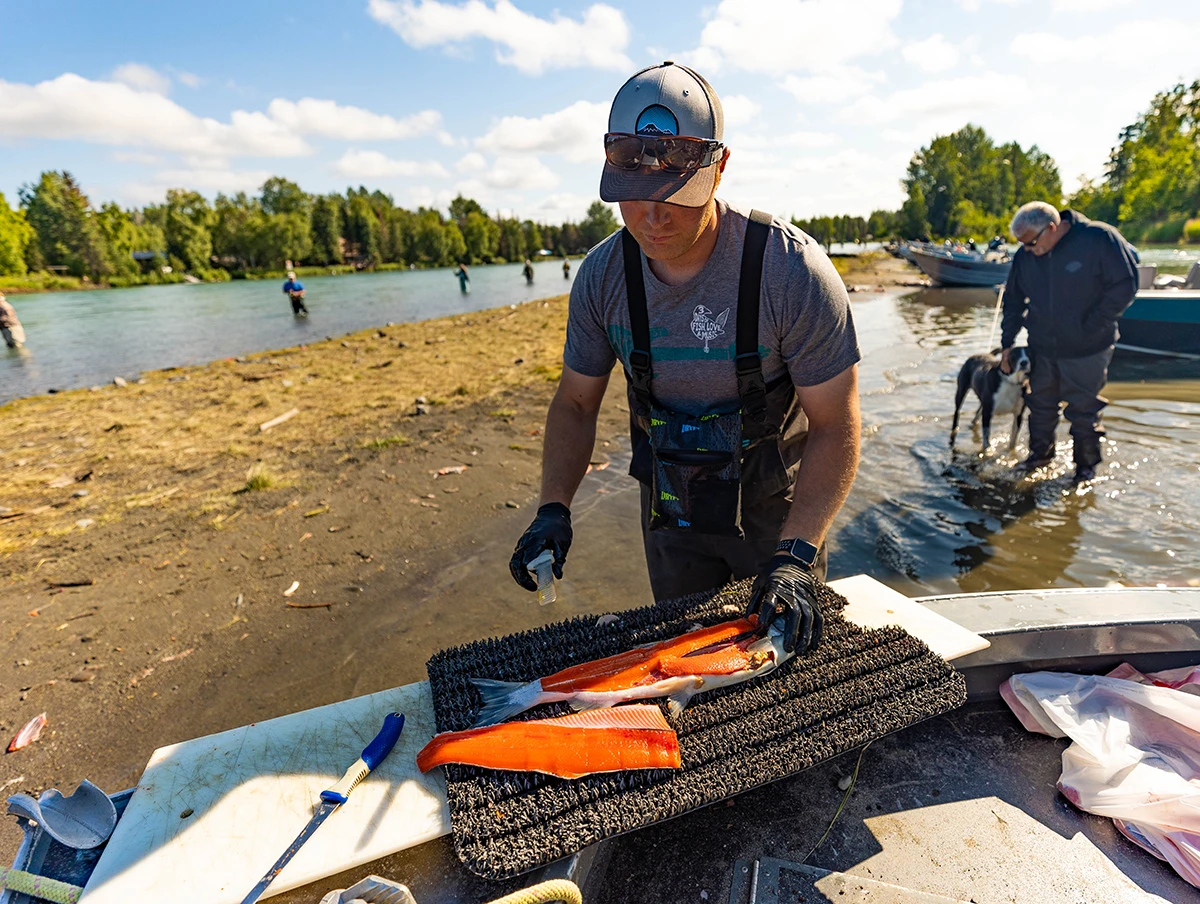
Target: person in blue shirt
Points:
(294, 290)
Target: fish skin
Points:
(678, 669)
(29, 733)
(628, 737)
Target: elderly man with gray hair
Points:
(1070, 282)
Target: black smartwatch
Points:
(799, 549)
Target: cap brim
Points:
(650, 184)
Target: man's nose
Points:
(658, 214)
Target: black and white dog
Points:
(999, 393)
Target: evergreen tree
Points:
(598, 225)
(65, 229)
(327, 230)
(187, 224)
(15, 236)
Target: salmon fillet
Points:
(606, 740)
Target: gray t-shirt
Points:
(804, 321)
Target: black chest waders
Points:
(698, 465)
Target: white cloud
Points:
(374, 165)
(844, 181)
(974, 6)
(836, 87)
(472, 162)
(140, 158)
(524, 41)
(934, 104)
(564, 207)
(73, 108)
(934, 54)
(309, 116)
(204, 180)
(780, 36)
(509, 174)
(740, 110)
(576, 132)
(190, 79)
(1131, 45)
(1086, 6)
(141, 78)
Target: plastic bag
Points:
(1136, 751)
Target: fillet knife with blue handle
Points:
(373, 754)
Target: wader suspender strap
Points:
(752, 386)
(639, 320)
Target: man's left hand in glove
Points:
(786, 592)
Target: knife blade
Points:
(332, 798)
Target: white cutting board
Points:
(876, 605)
(252, 789)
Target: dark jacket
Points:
(1070, 298)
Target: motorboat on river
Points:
(960, 807)
(1164, 318)
(949, 266)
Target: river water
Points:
(929, 521)
(84, 338)
(920, 518)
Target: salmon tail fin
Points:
(677, 702)
(504, 699)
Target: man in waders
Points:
(1070, 282)
(294, 290)
(735, 334)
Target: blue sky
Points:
(506, 101)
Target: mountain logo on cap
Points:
(657, 120)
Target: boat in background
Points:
(949, 267)
(1164, 318)
(1162, 322)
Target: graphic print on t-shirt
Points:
(706, 327)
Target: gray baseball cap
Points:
(664, 100)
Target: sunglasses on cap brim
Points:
(674, 154)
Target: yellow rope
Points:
(554, 890)
(39, 886)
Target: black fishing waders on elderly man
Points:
(1070, 282)
(735, 334)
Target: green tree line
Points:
(55, 226)
(1151, 184)
(959, 185)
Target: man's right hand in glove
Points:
(551, 530)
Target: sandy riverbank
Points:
(200, 521)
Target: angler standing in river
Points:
(10, 325)
(294, 290)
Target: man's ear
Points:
(724, 160)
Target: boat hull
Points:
(948, 270)
(1164, 322)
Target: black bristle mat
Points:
(858, 685)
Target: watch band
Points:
(799, 549)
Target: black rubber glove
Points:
(551, 529)
(787, 590)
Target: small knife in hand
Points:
(373, 754)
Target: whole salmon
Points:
(678, 669)
(627, 737)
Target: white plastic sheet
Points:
(1136, 751)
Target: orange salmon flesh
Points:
(610, 740)
(666, 659)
